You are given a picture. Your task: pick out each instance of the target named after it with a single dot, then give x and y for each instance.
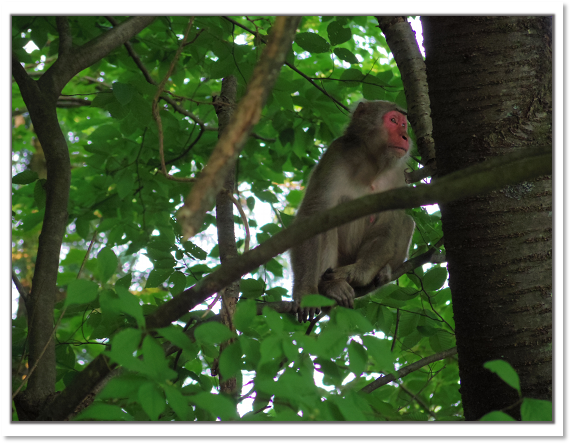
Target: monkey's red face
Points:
(396, 126)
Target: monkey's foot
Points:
(306, 313)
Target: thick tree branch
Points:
(477, 179)
(202, 195)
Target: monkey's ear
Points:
(360, 110)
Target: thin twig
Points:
(155, 108)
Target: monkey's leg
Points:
(381, 247)
(309, 261)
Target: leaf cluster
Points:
(121, 204)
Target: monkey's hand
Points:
(337, 288)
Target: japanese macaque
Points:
(369, 158)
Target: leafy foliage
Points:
(120, 203)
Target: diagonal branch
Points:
(476, 179)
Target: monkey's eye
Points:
(393, 120)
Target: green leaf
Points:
(380, 350)
(40, 194)
(352, 76)
(252, 288)
(337, 33)
(176, 336)
(152, 400)
(496, 415)
(156, 364)
(178, 402)
(312, 42)
(30, 221)
(346, 55)
(358, 358)
(122, 92)
(123, 345)
(106, 263)
(273, 319)
(105, 133)
(316, 300)
(374, 89)
(404, 294)
(245, 313)
(536, 410)
(178, 280)
(125, 281)
(195, 250)
(212, 333)
(294, 197)
(125, 184)
(427, 331)
(157, 277)
(129, 304)
(25, 177)
(99, 411)
(441, 341)
(435, 278)
(290, 349)
(270, 349)
(81, 291)
(348, 409)
(230, 361)
(65, 357)
(351, 321)
(505, 371)
(251, 203)
(218, 405)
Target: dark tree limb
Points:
(41, 99)
(402, 42)
(477, 179)
(224, 105)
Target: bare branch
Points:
(402, 42)
(384, 380)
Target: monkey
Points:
(370, 157)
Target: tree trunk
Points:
(490, 82)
